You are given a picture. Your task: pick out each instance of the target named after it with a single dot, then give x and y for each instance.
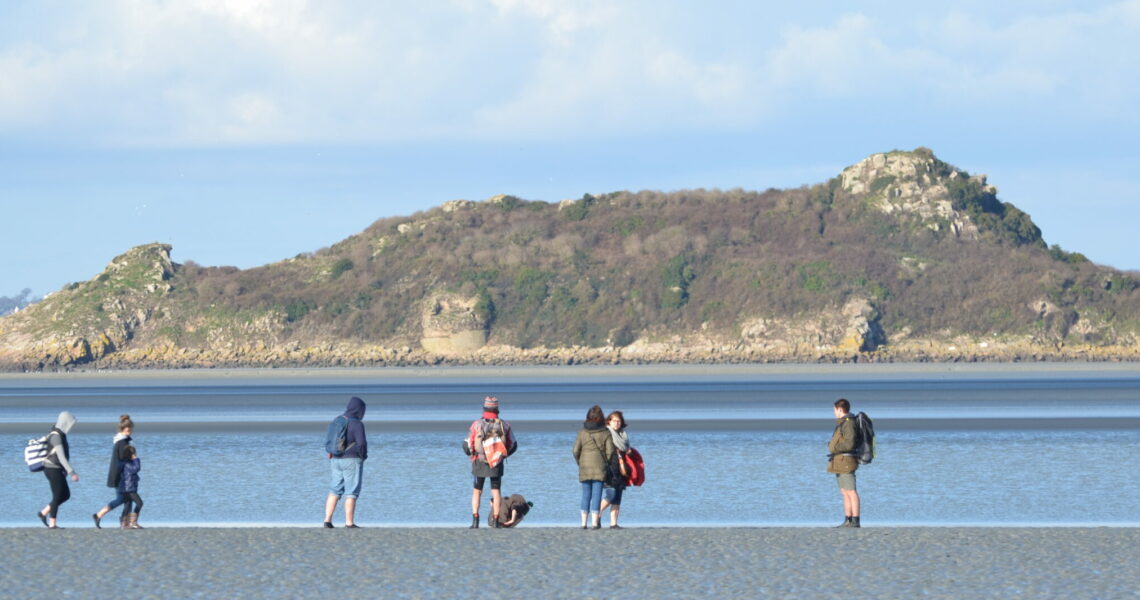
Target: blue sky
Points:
(247, 132)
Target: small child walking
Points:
(129, 487)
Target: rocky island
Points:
(901, 257)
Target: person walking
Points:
(488, 432)
(57, 468)
(129, 488)
(593, 450)
(348, 466)
(842, 462)
(120, 442)
(613, 490)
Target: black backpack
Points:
(864, 451)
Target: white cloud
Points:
(260, 71)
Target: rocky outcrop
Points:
(452, 325)
(912, 183)
(851, 329)
(89, 320)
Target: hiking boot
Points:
(855, 522)
(846, 523)
(474, 522)
(133, 521)
(495, 523)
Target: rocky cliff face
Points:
(914, 184)
(452, 325)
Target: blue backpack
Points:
(336, 440)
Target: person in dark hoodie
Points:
(129, 487)
(57, 468)
(348, 468)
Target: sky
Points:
(246, 132)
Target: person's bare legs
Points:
(330, 507)
(850, 503)
(496, 502)
(349, 511)
(584, 514)
(614, 510)
(476, 496)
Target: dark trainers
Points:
(328, 525)
(96, 517)
(615, 526)
(43, 519)
(353, 526)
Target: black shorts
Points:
(496, 482)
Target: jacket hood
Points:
(355, 408)
(65, 421)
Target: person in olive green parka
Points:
(593, 449)
(842, 463)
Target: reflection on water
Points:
(753, 478)
(933, 466)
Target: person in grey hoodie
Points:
(55, 466)
(348, 468)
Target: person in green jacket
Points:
(594, 449)
(842, 462)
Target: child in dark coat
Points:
(129, 486)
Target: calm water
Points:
(740, 447)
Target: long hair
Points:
(595, 415)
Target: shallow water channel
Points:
(723, 446)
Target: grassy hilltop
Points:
(900, 257)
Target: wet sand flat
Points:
(571, 563)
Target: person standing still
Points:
(843, 463)
(348, 468)
(613, 491)
(486, 426)
(593, 450)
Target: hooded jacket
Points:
(60, 451)
(355, 439)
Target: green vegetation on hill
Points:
(617, 267)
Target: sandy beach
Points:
(571, 563)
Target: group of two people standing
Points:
(122, 475)
(600, 450)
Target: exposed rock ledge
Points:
(667, 352)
